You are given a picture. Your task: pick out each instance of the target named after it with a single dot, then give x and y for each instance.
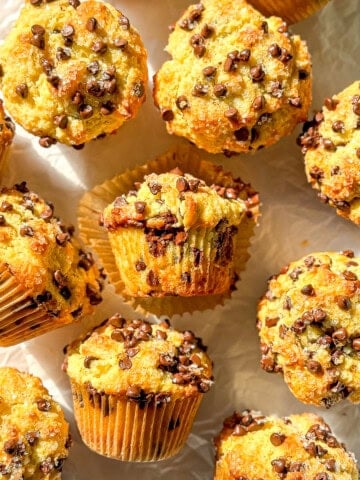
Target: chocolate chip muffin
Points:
(6, 135)
(175, 235)
(309, 327)
(291, 11)
(46, 279)
(331, 146)
(136, 387)
(237, 81)
(34, 435)
(72, 71)
(298, 447)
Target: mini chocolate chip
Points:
(88, 359)
(43, 405)
(140, 266)
(329, 145)
(277, 439)
(38, 41)
(295, 102)
(242, 134)
(182, 185)
(133, 392)
(46, 142)
(107, 108)
(356, 344)
(321, 476)
(244, 55)
(61, 121)
(340, 335)
(285, 56)
(35, 3)
(231, 113)
(167, 114)
(65, 292)
(93, 67)
(26, 231)
(124, 22)
(264, 27)
(5, 206)
(59, 278)
(358, 152)
(330, 103)
(209, 71)
(32, 437)
(138, 89)
(220, 90)
(99, 47)
(274, 50)
(308, 290)
(258, 103)
(37, 30)
(86, 111)
(200, 90)
(343, 302)
(338, 126)
(74, 3)
(303, 74)
(92, 294)
(152, 280)
(62, 238)
(2, 220)
(77, 98)
(350, 276)
(22, 90)
(314, 367)
(91, 24)
(207, 31)
(121, 43)
(257, 73)
(182, 102)
(154, 187)
(125, 364)
(279, 465)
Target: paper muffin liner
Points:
(291, 11)
(119, 428)
(20, 319)
(188, 160)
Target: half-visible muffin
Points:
(34, 435)
(291, 11)
(46, 279)
(72, 71)
(7, 129)
(237, 81)
(331, 145)
(137, 387)
(310, 329)
(298, 447)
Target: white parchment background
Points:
(293, 223)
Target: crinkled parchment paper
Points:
(293, 223)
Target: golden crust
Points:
(34, 435)
(176, 235)
(6, 134)
(122, 357)
(246, 98)
(300, 447)
(331, 144)
(309, 327)
(42, 269)
(72, 74)
(291, 11)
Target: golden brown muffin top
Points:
(143, 362)
(34, 435)
(299, 447)
(310, 329)
(44, 257)
(331, 144)
(177, 200)
(6, 128)
(72, 71)
(237, 81)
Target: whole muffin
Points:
(291, 11)
(136, 387)
(34, 434)
(310, 329)
(46, 279)
(72, 71)
(298, 447)
(175, 235)
(237, 81)
(6, 135)
(331, 145)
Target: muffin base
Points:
(124, 430)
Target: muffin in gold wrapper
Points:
(297, 447)
(46, 279)
(309, 327)
(34, 434)
(72, 72)
(137, 387)
(179, 227)
(291, 11)
(6, 136)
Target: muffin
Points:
(184, 241)
(34, 434)
(237, 81)
(298, 447)
(331, 146)
(72, 71)
(46, 279)
(291, 11)
(136, 387)
(6, 135)
(310, 329)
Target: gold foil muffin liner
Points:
(188, 160)
(291, 11)
(20, 318)
(119, 428)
